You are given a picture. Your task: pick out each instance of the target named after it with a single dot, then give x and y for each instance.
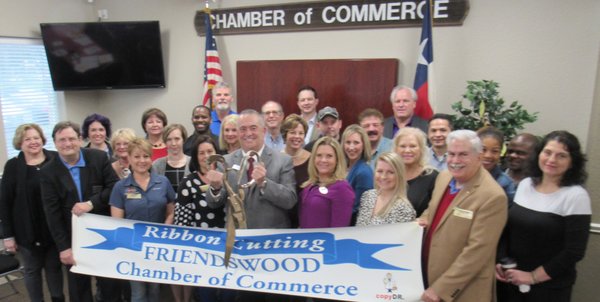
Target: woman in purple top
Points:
(326, 199)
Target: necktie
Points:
(250, 167)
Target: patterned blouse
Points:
(191, 208)
(402, 211)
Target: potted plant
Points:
(487, 108)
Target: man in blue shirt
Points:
(371, 120)
(221, 99)
(440, 126)
(78, 181)
(273, 115)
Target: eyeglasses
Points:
(274, 112)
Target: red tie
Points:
(250, 167)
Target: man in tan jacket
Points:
(465, 218)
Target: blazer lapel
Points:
(464, 194)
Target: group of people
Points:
(478, 213)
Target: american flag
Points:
(212, 63)
(424, 66)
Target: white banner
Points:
(376, 263)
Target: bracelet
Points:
(533, 278)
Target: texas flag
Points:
(424, 65)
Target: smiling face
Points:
(490, 157)
(139, 161)
(32, 142)
(252, 133)
(96, 133)
(222, 98)
(175, 142)
(385, 176)
(408, 148)
(295, 137)
(205, 150)
(518, 152)
(353, 147)
(437, 132)
(374, 128)
(154, 126)
(68, 144)
(554, 160)
(325, 161)
(230, 134)
(121, 147)
(273, 115)
(307, 102)
(330, 126)
(403, 105)
(201, 120)
(463, 161)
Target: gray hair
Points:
(468, 136)
(261, 118)
(413, 93)
(222, 85)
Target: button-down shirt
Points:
(276, 143)
(311, 127)
(385, 145)
(75, 172)
(438, 162)
(215, 125)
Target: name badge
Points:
(462, 213)
(236, 167)
(204, 188)
(134, 196)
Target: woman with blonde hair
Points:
(411, 144)
(327, 198)
(144, 196)
(229, 138)
(387, 203)
(357, 149)
(120, 142)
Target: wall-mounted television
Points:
(104, 55)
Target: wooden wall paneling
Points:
(349, 85)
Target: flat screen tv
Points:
(104, 55)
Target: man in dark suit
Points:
(404, 101)
(77, 181)
(466, 215)
(267, 204)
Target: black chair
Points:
(9, 265)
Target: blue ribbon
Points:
(333, 251)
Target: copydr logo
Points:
(391, 290)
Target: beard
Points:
(222, 107)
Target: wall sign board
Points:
(330, 15)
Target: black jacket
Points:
(21, 217)
(59, 192)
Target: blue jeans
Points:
(144, 291)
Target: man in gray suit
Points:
(267, 203)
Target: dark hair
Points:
(153, 111)
(490, 131)
(576, 174)
(201, 106)
(370, 112)
(443, 116)
(60, 126)
(95, 117)
(309, 88)
(201, 139)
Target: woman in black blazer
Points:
(23, 223)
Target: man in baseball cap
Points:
(328, 123)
